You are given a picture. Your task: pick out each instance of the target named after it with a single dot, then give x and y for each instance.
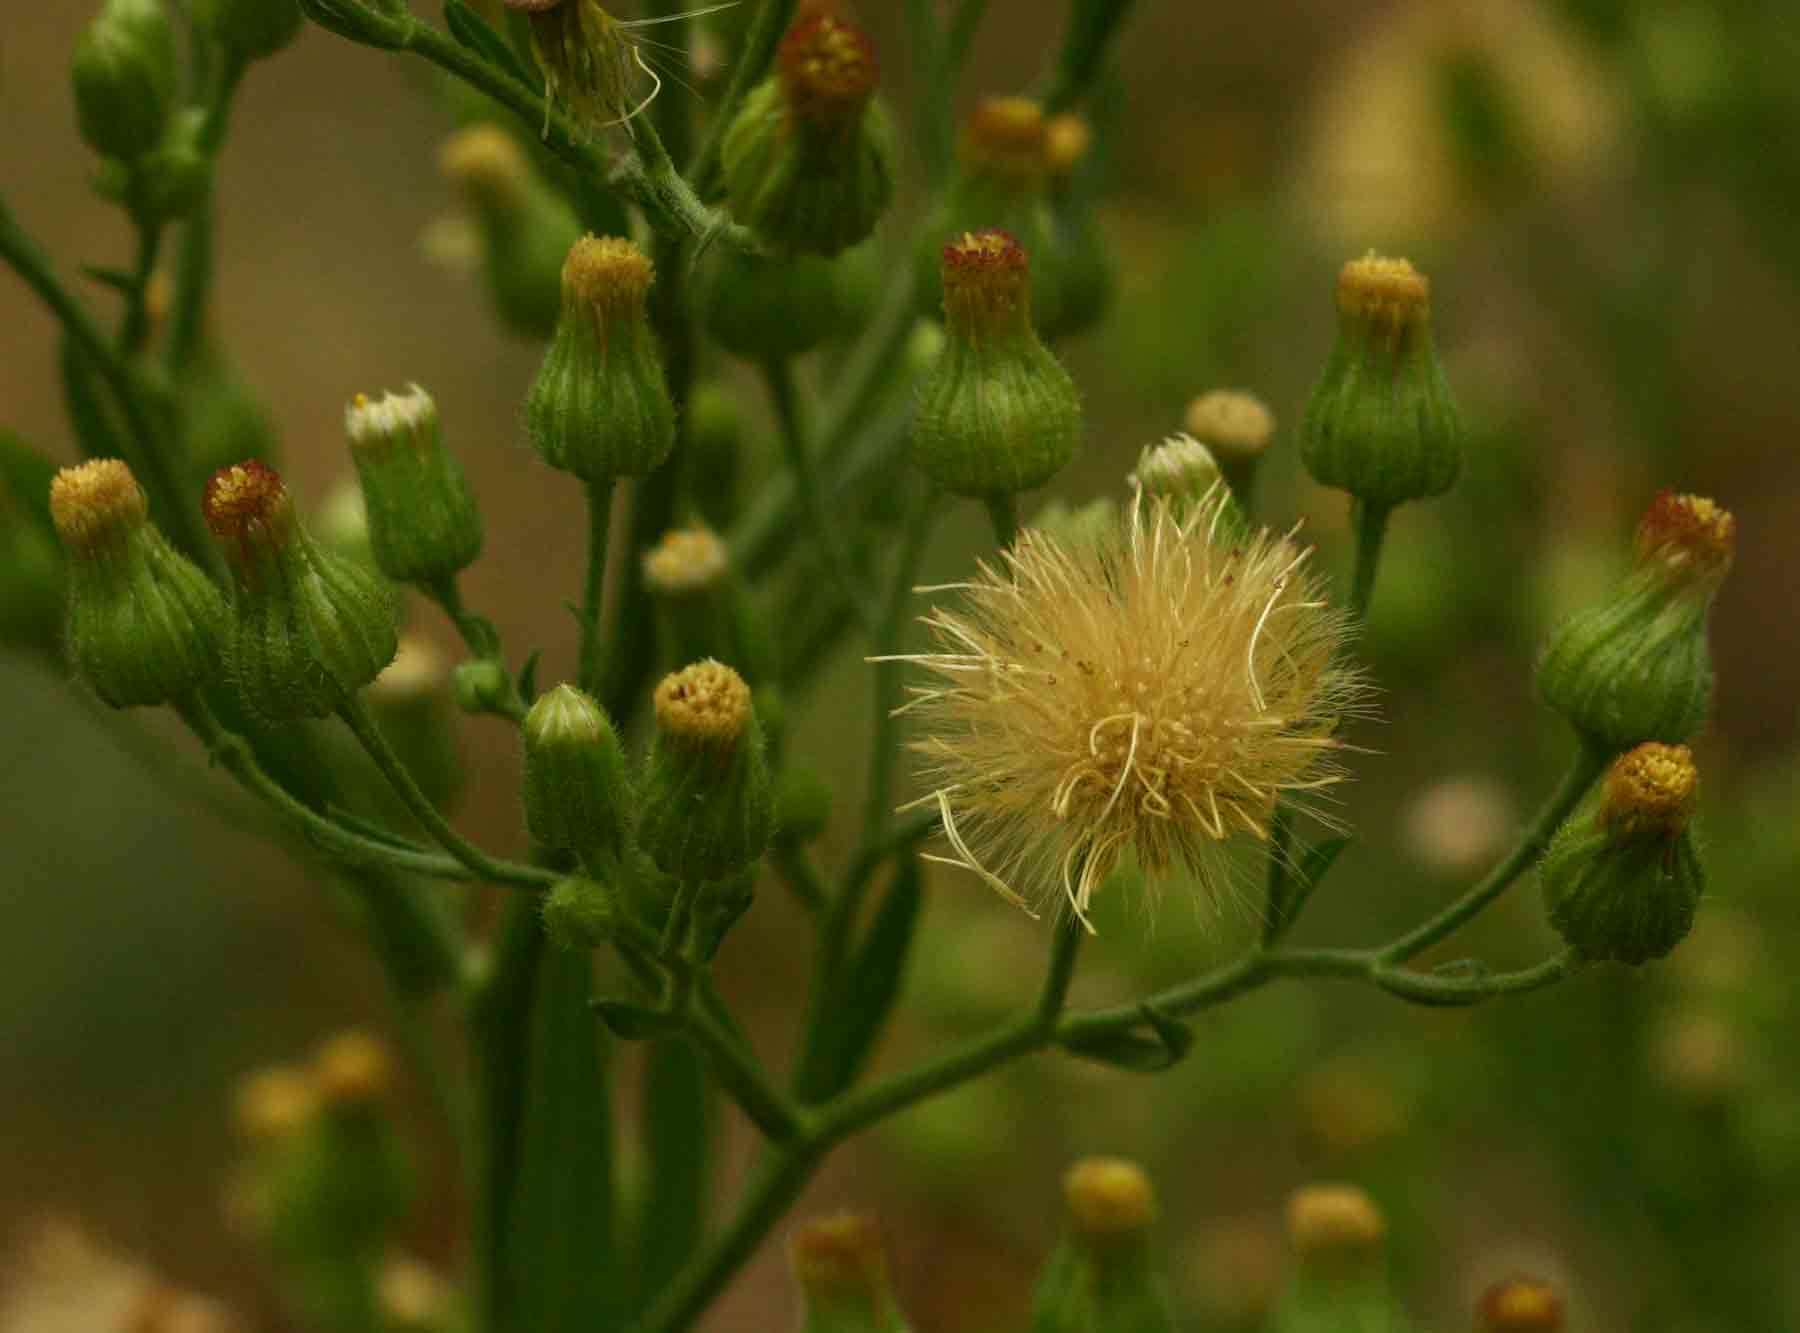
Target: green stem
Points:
(1003, 511)
(1588, 765)
(772, 18)
(1371, 528)
(795, 865)
(195, 263)
(593, 639)
(744, 1080)
(136, 329)
(1093, 24)
(890, 675)
(803, 463)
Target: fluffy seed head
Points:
(96, 503)
(1152, 692)
(704, 704)
(1233, 425)
(1650, 791)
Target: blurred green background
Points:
(1605, 194)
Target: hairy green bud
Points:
(124, 74)
(249, 29)
(1621, 878)
(423, 523)
(145, 626)
(842, 1271)
(707, 806)
(1381, 423)
(600, 407)
(1637, 666)
(481, 686)
(577, 789)
(998, 414)
(309, 628)
(808, 161)
(1102, 1274)
(579, 914)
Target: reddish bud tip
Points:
(1689, 534)
(240, 497)
(828, 68)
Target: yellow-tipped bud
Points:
(96, 505)
(1520, 1305)
(1236, 426)
(1335, 1228)
(487, 165)
(843, 1275)
(685, 562)
(1108, 1198)
(352, 1069)
(1008, 137)
(272, 1104)
(1067, 141)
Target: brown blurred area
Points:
(153, 954)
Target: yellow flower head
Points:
(1152, 692)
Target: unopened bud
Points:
(600, 407)
(809, 159)
(802, 804)
(1637, 666)
(1621, 878)
(423, 523)
(145, 626)
(842, 1272)
(1101, 1275)
(1067, 141)
(764, 309)
(1381, 423)
(352, 1069)
(998, 414)
(1108, 1198)
(309, 628)
(1335, 1230)
(124, 71)
(579, 913)
(251, 29)
(413, 1297)
(1236, 426)
(1180, 469)
(481, 686)
(707, 806)
(1520, 1305)
(577, 791)
(273, 1104)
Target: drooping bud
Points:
(1102, 1274)
(764, 309)
(309, 628)
(1637, 667)
(1621, 878)
(482, 686)
(1520, 1305)
(1338, 1237)
(600, 407)
(842, 1272)
(577, 790)
(124, 73)
(809, 160)
(579, 913)
(1381, 423)
(526, 228)
(707, 806)
(423, 523)
(145, 626)
(998, 414)
(1237, 427)
(252, 29)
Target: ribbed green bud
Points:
(124, 73)
(1002, 183)
(998, 414)
(1520, 1305)
(250, 29)
(309, 628)
(1637, 666)
(809, 160)
(842, 1272)
(577, 789)
(580, 914)
(802, 804)
(145, 626)
(1381, 423)
(1339, 1284)
(600, 407)
(1102, 1276)
(765, 309)
(423, 523)
(32, 584)
(526, 227)
(1621, 878)
(707, 806)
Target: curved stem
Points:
(1588, 765)
(1371, 528)
(1003, 510)
(743, 1078)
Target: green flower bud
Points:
(802, 805)
(411, 703)
(481, 686)
(423, 523)
(32, 587)
(707, 807)
(310, 628)
(577, 790)
(124, 73)
(770, 309)
(1381, 423)
(1001, 183)
(1520, 1305)
(526, 227)
(1180, 468)
(1621, 878)
(842, 1272)
(1102, 1275)
(1637, 667)
(169, 182)
(144, 624)
(689, 574)
(1339, 1239)
(579, 914)
(249, 29)
(600, 407)
(1237, 429)
(998, 413)
(809, 160)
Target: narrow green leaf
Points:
(473, 31)
(26, 475)
(677, 1148)
(528, 677)
(561, 1256)
(1298, 883)
(633, 1022)
(116, 278)
(865, 992)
